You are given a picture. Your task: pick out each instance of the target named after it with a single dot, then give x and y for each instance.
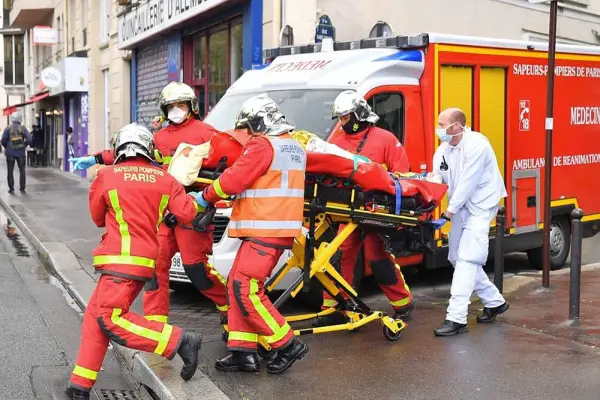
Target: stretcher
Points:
(339, 192)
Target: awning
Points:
(9, 110)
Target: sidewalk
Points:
(515, 358)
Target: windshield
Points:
(306, 109)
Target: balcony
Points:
(25, 14)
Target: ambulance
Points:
(500, 85)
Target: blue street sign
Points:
(324, 29)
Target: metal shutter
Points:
(152, 77)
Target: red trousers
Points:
(107, 316)
(251, 313)
(385, 270)
(194, 248)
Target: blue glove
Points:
(438, 223)
(83, 162)
(200, 200)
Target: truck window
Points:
(390, 109)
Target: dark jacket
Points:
(18, 130)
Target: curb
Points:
(134, 360)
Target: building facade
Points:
(206, 44)
(294, 22)
(13, 89)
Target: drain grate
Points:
(113, 394)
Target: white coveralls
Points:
(475, 188)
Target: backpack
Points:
(17, 137)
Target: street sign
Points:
(324, 29)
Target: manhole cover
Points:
(112, 394)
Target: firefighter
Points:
(467, 164)
(178, 105)
(129, 200)
(361, 136)
(268, 180)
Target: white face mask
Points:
(177, 115)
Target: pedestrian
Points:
(38, 145)
(15, 140)
(360, 136)
(70, 142)
(156, 124)
(268, 180)
(179, 106)
(129, 199)
(466, 162)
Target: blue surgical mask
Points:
(442, 135)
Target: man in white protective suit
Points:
(467, 164)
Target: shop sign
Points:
(324, 29)
(74, 81)
(155, 16)
(51, 77)
(44, 35)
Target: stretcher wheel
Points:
(266, 354)
(389, 335)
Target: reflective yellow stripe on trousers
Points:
(278, 331)
(85, 373)
(162, 338)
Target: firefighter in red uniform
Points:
(129, 200)
(361, 136)
(268, 180)
(179, 106)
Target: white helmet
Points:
(177, 92)
(16, 117)
(134, 140)
(261, 115)
(351, 102)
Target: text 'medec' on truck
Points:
(501, 86)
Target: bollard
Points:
(499, 249)
(575, 278)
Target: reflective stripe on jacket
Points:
(130, 199)
(273, 205)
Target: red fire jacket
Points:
(381, 146)
(167, 140)
(129, 199)
(254, 162)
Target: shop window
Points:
(14, 60)
(235, 49)
(390, 109)
(199, 63)
(217, 67)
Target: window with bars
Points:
(14, 60)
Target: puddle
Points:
(11, 232)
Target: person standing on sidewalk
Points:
(129, 199)
(361, 136)
(179, 105)
(15, 140)
(268, 180)
(466, 162)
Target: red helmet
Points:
(225, 144)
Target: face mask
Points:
(354, 126)
(443, 135)
(177, 115)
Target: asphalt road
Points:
(40, 329)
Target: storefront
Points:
(206, 44)
(66, 106)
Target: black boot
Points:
(239, 361)
(404, 312)
(337, 318)
(76, 394)
(188, 351)
(287, 356)
(490, 314)
(449, 328)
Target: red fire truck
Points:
(501, 86)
